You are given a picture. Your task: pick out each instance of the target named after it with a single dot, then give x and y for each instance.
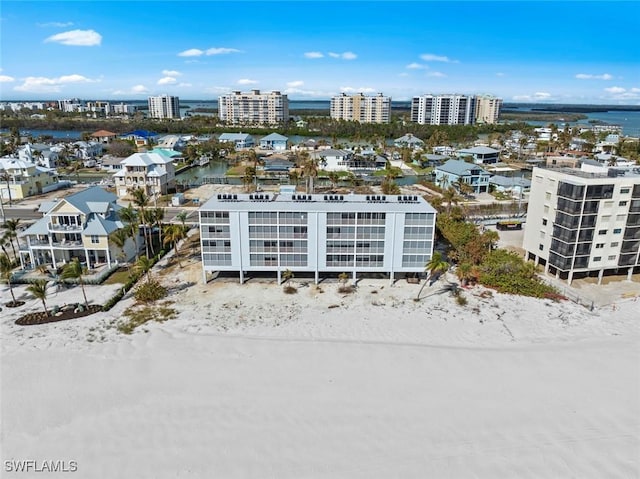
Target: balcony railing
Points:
(64, 244)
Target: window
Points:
(606, 218)
(602, 232)
(614, 244)
(600, 245)
(547, 196)
(612, 257)
(544, 221)
(625, 191)
(617, 231)
(541, 247)
(95, 239)
(546, 208)
(623, 203)
(597, 258)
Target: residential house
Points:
(513, 185)
(25, 178)
(104, 136)
(429, 160)
(454, 171)
(332, 160)
(111, 163)
(409, 141)
(77, 226)
(275, 142)
(172, 142)
(241, 141)
(482, 155)
(153, 172)
(88, 150)
(140, 137)
(310, 145)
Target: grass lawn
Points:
(119, 277)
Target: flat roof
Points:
(317, 203)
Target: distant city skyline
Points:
(545, 52)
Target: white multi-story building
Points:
(151, 171)
(316, 234)
(254, 108)
(164, 106)
(582, 223)
(487, 109)
(361, 108)
(443, 109)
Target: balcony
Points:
(71, 228)
(67, 244)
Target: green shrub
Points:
(138, 316)
(507, 272)
(150, 291)
(289, 290)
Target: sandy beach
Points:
(250, 382)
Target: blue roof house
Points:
(454, 171)
(275, 142)
(241, 141)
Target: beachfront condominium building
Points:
(443, 109)
(581, 223)
(316, 234)
(164, 106)
(254, 108)
(487, 109)
(361, 108)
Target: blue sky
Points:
(544, 51)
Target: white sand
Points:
(250, 382)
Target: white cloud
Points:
(348, 89)
(171, 73)
(6, 79)
(588, 76)
(139, 89)
(82, 38)
(417, 66)
(343, 56)
(221, 51)
(615, 89)
(55, 24)
(537, 96)
(309, 93)
(217, 89)
(193, 52)
(313, 55)
(167, 81)
(247, 81)
(295, 84)
(430, 57)
(134, 90)
(44, 84)
(619, 93)
(436, 74)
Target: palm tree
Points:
(12, 232)
(74, 270)
(249, 177)
(436, 265)
(173, 234)
(6, 178)
(294, 177)
(334, 177)
(39, 289)
(143, 266)
(182, 216)
(310, 171)
(119, 238)
(450, 196)
(6, 271)
(158, 217)
(141, 200)
(132, 224)
(287, 275)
